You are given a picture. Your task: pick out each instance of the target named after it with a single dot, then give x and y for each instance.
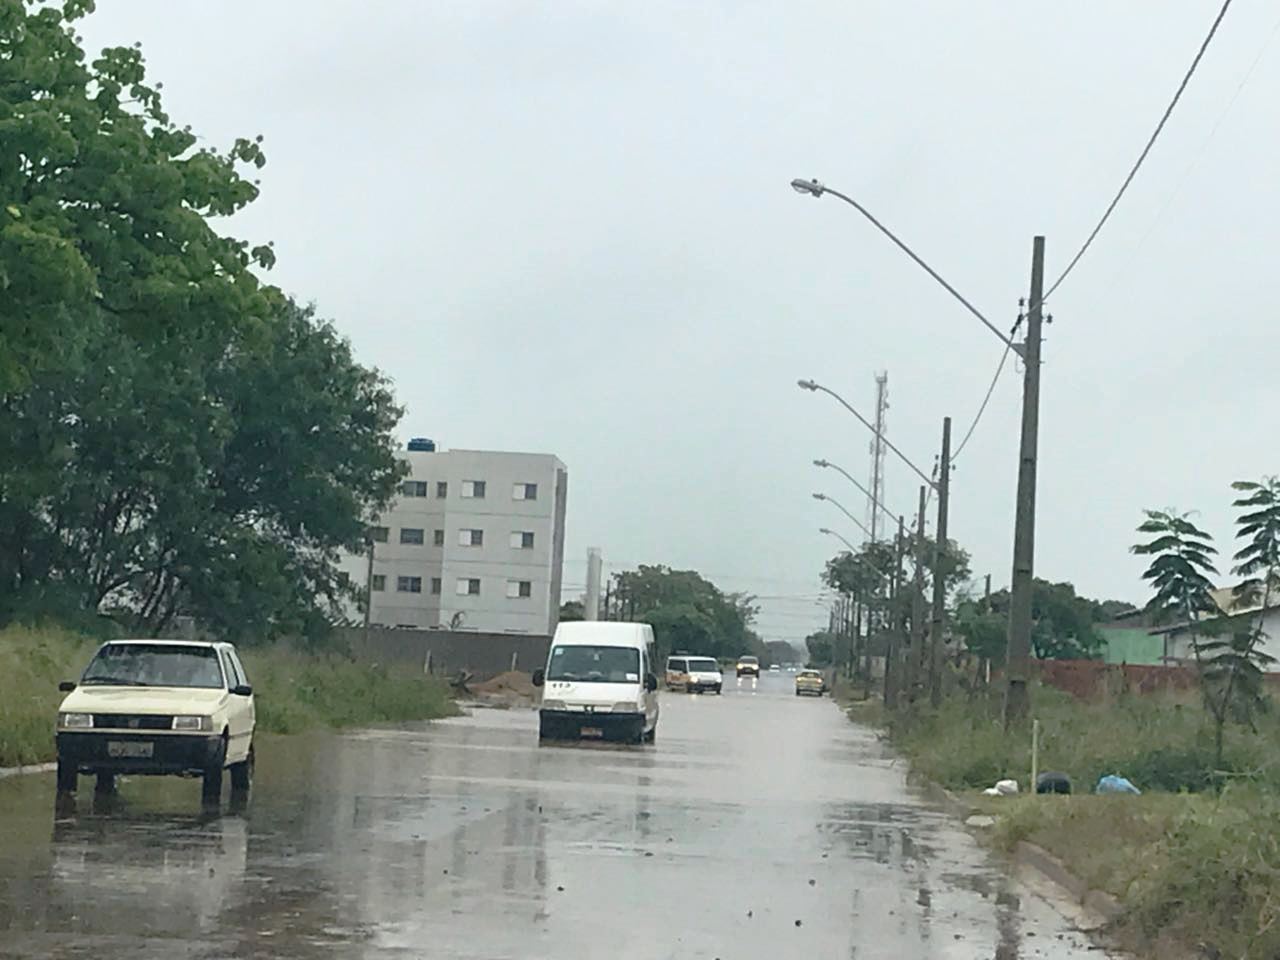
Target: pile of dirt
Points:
(512, 684)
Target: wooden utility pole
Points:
(894, 621)
(915, 656)
(939, 570)
(1017, 702)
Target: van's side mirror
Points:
(650, 682)
(242, 690)
(539, 677)
(66, 686)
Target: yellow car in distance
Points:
(809, 683)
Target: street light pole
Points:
(840, 506)
(832, 533)
(1017, 701)
(814, 386)
(848, 476)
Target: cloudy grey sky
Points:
(566, 227)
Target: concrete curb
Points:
(1099, 904)
(19, 771)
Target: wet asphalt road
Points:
(759, 825)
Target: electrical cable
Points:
(1004, 358)
(1186, 79)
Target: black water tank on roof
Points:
(422, 445)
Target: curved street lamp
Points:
(813, 386)
(836, 503)
(832, 533)
(848, 476)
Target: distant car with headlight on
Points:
(810, 683)
(748, 666)
(158, 707)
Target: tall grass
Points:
(1159, 743)
(293, 691)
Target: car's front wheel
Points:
(68, 776)
(242, 774)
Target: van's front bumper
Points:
(578, 725)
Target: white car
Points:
(158, 707)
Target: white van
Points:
(599, 683)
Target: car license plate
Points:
(592, 732)
(129, 749)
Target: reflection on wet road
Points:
(759, 825)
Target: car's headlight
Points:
(75, 721)
(626, 706)
(552, 704)
(193, 724)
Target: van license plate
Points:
(592, 732)
(129, 749)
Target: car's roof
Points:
(604, 633)
(748, 656)
(171, 643)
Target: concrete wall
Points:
(451, 651)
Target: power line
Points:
(1004, 357)
(1145, 150)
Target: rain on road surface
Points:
(760, 825)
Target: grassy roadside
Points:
(1191, 866)
(294, 692)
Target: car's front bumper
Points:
(170, 753)
(577, 725)
(707, 683)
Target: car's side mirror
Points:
(650, 682)
(66, 686)
(539, 677)
(242, 690)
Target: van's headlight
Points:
(626, 706)
(552, 704)
(193, 724)
(75, 721)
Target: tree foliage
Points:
(176, 438)
(688, 612)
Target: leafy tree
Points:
(821, 647)
(175, 437)
(688, 612)
(1179, 573)
(571, 611)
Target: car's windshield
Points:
(153, 665)
(748, 660)
(677, 666)
(704, 666)
(595, 664)
(810, 674)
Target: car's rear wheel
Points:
(68, 776)
(242, 773)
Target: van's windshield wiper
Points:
(112, 682)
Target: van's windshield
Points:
(703, 666)
(591, 664)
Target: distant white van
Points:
(599, 683)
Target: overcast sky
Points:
(566, 227)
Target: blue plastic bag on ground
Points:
(1115, 784)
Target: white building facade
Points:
(474, 541)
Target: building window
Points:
(408, 584)
(379, 582)
(471, 538)
(473, 489)
(411, 535)
(414, 488)
(378, 534)
(519, 589)
(468, 586)
(524, 491)
(442, 489)
(435, 586)
(437, 538)
(521, 539)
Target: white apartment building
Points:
(474, 541)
